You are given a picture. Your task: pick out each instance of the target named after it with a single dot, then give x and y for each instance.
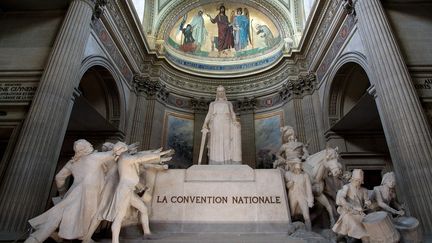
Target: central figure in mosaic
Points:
(223, 132)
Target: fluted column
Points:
(138, 123)
(246, 107)
(148, 92)
(310, 122)
(407, 131)
(27, 182)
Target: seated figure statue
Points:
(72, 215)
(352, 200)
(384, 196)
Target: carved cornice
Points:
(200, 105)
(296, 88)
(260, 84)
(247, 104)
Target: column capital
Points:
(150, 88)
(297, 87)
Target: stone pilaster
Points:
(318, 111)
(407, 131)
(152, 91)
(138, 123)
(27, 181)
(247, 107)
(309, 118)
(299, 108)
(307, 84)
(200, 107)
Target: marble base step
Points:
(217, 238)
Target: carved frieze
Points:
(118, 14)
(327, 15)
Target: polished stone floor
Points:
(219, 238)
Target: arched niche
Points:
(97, 114)
(353, 121)
(99, 90)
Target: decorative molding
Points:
(163, 94)
(112, 50)
(339, 40)
(118, 14)
(261, 84)
(327, 15)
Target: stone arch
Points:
(352, 120)
(335, 85)
(113, 85)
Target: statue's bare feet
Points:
(148, 236)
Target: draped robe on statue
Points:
(74, 213)
(224, 141)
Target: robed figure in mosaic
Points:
(223, 130)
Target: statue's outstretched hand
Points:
(165, 159)
(157, 150)
(168, 153)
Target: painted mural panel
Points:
(267, 138)
(178, 135)
(230, 31)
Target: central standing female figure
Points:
(224, 141)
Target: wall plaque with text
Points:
(17, 91)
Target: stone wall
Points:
(26, 39)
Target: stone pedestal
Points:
(220, 198)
